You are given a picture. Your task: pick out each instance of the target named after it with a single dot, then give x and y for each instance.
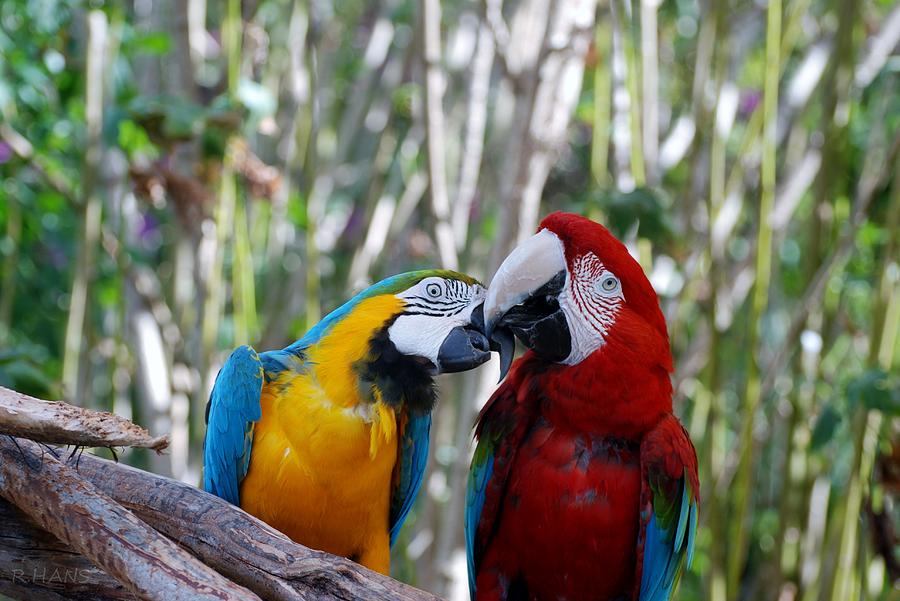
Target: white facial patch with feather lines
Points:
(590, 300)
(434, 306)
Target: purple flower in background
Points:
(750, 99)
(148, 227)
(6, 152)
(149, 232)
(356, 224)
(56, 256)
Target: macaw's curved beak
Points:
(523, 301)
(465, 347)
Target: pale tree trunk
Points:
(434, 119)
(545, 59)
(473, 145)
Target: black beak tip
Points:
(504, 342)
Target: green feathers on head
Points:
(391, 285)
(403, 281)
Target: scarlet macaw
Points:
(583, 484)
(327, 439)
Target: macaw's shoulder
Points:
(668, 453)
(277, 363)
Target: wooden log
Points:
(73, 510)
(61, 423)
(237, 544)
(34, 564)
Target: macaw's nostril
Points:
(462, 349)
(479, 341)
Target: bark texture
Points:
(72, 509)
(92, 513)
(60, 423)
(34, 564)
(237, 544)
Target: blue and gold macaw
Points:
(327, 439)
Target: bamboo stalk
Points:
(316, 185)
(715, 445)
(834, 85)
(232, 30)
(743, 488)
(602, 102)
(379, 224)
(650, 89)
(509, 185)
(546, 96)
(85, 265)
(282, 242)
(10, 263)
(212, 309)
(628, 25)
(752, 129)
(244, 296)
(313, 312)
(867, 423)
(878, 166)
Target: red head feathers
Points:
(581, 236)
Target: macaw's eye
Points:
(433, 290)
(609, 283)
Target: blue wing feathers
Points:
(233, 409)
(656, 557)
(682, 517)
(414, 442)
(692, 532)
(666, 549)
(479, 476)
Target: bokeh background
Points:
(182, 176)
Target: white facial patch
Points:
(591, 299)
(434, 307)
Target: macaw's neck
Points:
(622, 389)
(356, 363)
(394, 378)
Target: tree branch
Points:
(238, 545)
(235, 544)
(147, 563)
(62, 423)
(34, 564)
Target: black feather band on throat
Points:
(403, 380)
